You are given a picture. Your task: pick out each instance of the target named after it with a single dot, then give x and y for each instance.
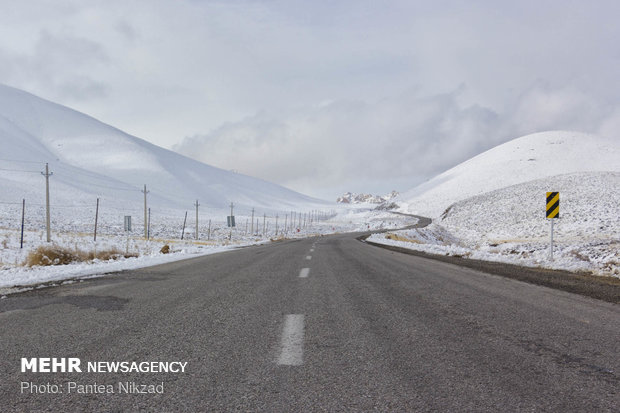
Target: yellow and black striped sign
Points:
(553, 205)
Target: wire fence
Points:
(106, 214)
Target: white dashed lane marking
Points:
(304, 272)
(292, 344)
(308, 257)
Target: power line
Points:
(80, 171)
(18, 170)
(111, 187)
(19, 161)
(69, 206)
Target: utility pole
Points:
(184, 222)
(197, 205)
(264, 221)
(146, 234)
(96, 218)
(47, 175)
(252, 221)
(21, 242)
(285, 223)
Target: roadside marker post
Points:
(553, 213)
(231, 221)
(127, 231)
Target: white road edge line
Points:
(304, 272)
(291, 346)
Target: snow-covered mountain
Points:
(532, 157)
(352, 198)
(89, 159)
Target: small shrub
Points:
(580, 256)
(112, 254)
(56, 255)
(51, 255)
(395, 237)
(445, 213)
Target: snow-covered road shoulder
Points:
(16, 279)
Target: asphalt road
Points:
(324, 324)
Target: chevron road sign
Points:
(553, 204)
(553, 212)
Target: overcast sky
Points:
(323, 96)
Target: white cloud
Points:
(350, 144)
(394, 143)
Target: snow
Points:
(492, 206)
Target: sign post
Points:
(127, 231)
(553, 212)
(231, 221)
(127, 223)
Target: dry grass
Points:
(396, 237)
(56, 255)
(579, 256)
(110, 254)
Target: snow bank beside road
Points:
(28, 276)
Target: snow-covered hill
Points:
(89, 159)
(521, 160)
(493, 206)
(93, 161)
